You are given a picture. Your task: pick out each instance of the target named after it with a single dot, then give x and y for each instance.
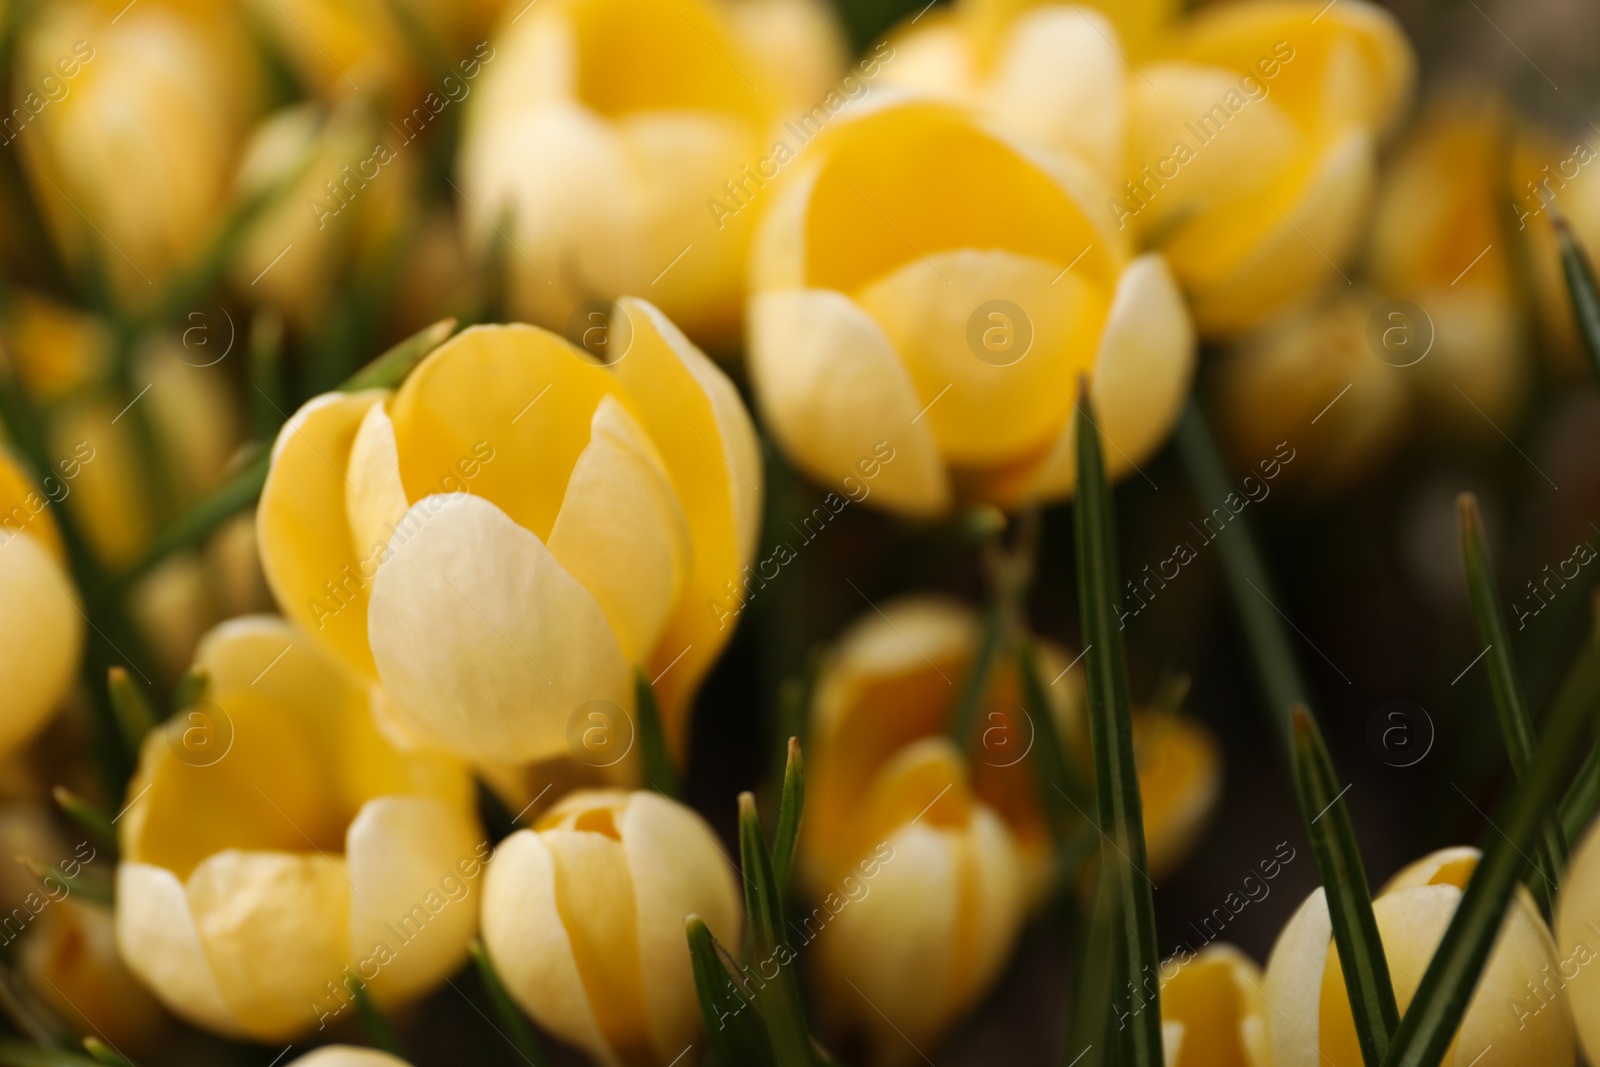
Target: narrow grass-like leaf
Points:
(790, 808)
(659, 770)
(734, 1032)
(1090, 1014)
(1274, 657)
(1516, 725)
(135, 716)
(779, 1001)
(14, 1053)
(1441, 1000)
(975, 685)
(85, 814)
(101, 1052)
(1135, 953)
(513, 1027)
(1583, 799)
(1575, 264)
(1059, 783)
(377, 1028)
(1344, 877)
(244, 488)
(191, 689)
(83, 885)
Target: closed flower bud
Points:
(1578, 941)
(1518, 1006)
(1439, 242)
(278, 849)
(128, 126)
(1213, 1013)
(70, 960)
(503, 559)
(41, 629)
(1284, 384)
(926, 289)
(624, 146)
(55, 349)
(1252, 149)
(584, 918)
(347, 1056)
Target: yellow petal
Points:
(530, 946)
(24, 509)
(1180, 783)
(695, 417)
(621, 532)
(1140, 378)
(41, 634)
(1578, 938)
(515, 444)
(1216, 998)
(836, 395)
(375, 501)
(994, 343)
(409, 860)
(275, 929)
(307, 552)
(1293, 986)
(1059, 82)
(485, 644)
(678, 869)
(157, 938)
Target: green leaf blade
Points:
(659, 771)
(516, 1029)
(1344, 878)
(779, 1000)
(1579, 271)
(735, 1035)
(790, 809)
(1135, 952)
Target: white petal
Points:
(409, 860)
(621, 531)
(1294, 984)
(532, 953)
(347, 1056)
(485, 643)
(376, 501)
(834, 392)
(1141, 376)
(157, 939)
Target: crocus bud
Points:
(1213, 1013)
(584, 914)
(1518, 1007)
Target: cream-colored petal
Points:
(697, 419)
(993, 342)
(1140, 379)
(306, 546)
(1293, 987)
(836, 395)
(1059, 82)
(621, 532)
(1539, 1030)
(1578, 938)
(275, 928)
(1215, 1001)
(376, 501)
(41, 635)
(532, 952)
(1311, 242)
(409, 859)
(678, 870)
(347, 1056)
(485, 644)
(157, 939)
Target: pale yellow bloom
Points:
(502, 558)
(278, 847)
(1578, 945)
(70, 960)
(347, 1056)
(624, 146)
(132, 121)
(1312, 1024)
(1283, 386)
(926, 289)
(41, 629)
(584, 918)
(1439, 240)
(922, 861)
(1213, 1013)
(1252, 145)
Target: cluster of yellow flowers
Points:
(920, 256)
